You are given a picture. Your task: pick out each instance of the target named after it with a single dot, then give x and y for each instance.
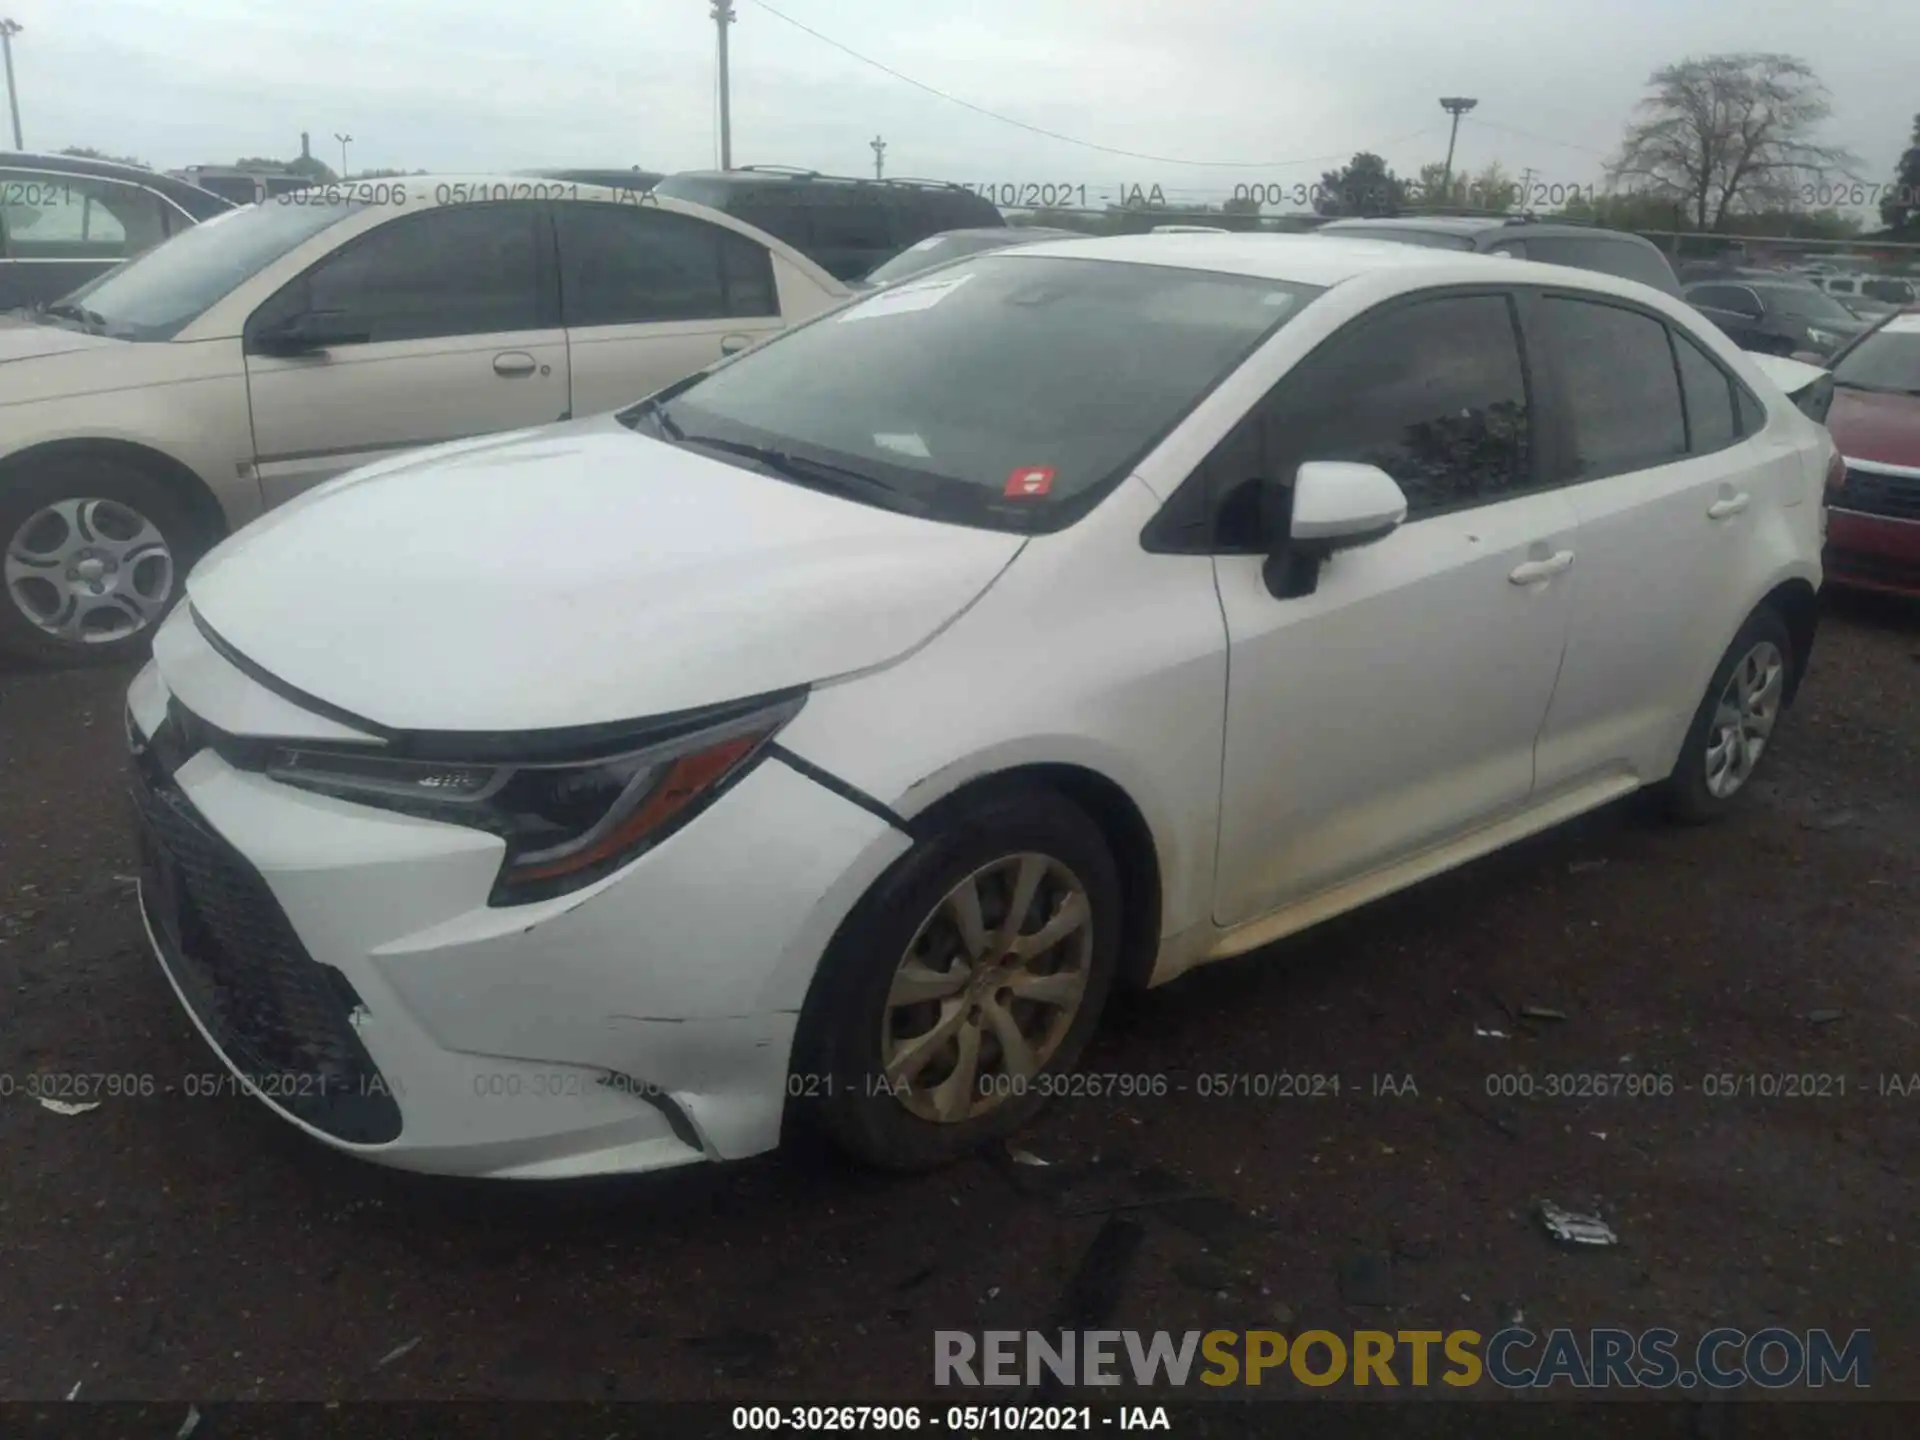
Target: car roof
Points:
(613, 175)
(1437, 224)
(783, 176)
(177, 190)
(1316, 259)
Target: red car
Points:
(1873, 526)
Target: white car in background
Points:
(173, 399)
(830, 733)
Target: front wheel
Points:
(1733, 728)
(963, 986)
(94, 555)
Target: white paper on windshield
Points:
(905, 299)
(926, 244)
(904, 445)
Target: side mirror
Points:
(308, 333)
(1335, 505)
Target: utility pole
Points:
(722, 18)
(1526, 187)
(1456, 106)
(345, 140)
(9, 29)
(879, 148)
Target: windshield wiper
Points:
(817, 474)
(67, 310)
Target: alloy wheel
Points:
(1743, 719)
(89, 571)
(988, 988)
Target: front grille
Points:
(1871, 568)
(280, 1017)
(1871, 492)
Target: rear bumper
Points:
(1872, 552)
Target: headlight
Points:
(566, 823)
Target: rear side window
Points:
(781, 216)
(852, 225)
(626, 264)
(1623, 397)
(1713, 418)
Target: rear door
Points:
(1669, 487)
(649, 296)
(459, 313)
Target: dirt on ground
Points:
(176, 1247)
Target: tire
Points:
(1697, 791)
(893, 1119)
(73, 514)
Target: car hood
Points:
(1874, 427)
(26, 340)
(576, 575)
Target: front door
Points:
(1397, 706)
(457, 334)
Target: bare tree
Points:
(1726, 134)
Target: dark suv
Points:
(64, 220)
(846, 226)
(1612, 252)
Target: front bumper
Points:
(343, 961)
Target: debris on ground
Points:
(1573, 1229)
(188, 1425)
(1541, 1012)
(395, 1353)
(66, 1107)
(1580, 867)
(1485, 1033)
(74, 1393)
(1025, 1157)
(1824, 1017)
(1833, 820)
(1205, 1272)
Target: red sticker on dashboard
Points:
(1033, 480)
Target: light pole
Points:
(722, 18)
(879, 148)
(9, 29)
(345, 140)
(1455, 106)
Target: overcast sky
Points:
(475, 85)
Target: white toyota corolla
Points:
(830, 733)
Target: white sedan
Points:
(176, 397)
(829, 734)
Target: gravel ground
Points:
(175, 1248)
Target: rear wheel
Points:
(1733, 728)
(93, 552)
(968, 979)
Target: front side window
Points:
(1623, 396)
(158, 294)
(80, 217)
(1434, 393)
(1008, 391)
(624, 265)
(1734, 298)
(452, 270)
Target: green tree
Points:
(1900, 207)
(1493, 188)
(1363, 186)
(1725, 134)
(87, 152)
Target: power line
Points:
(1542, 139)
(1070, 139)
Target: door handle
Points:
(734, 344)
(1535, 571)
(1732, 505)
(513, 363)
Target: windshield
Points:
(1888, 359)
(938, 250)
(1806, 303)
(1010, 391)
(156, 295)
